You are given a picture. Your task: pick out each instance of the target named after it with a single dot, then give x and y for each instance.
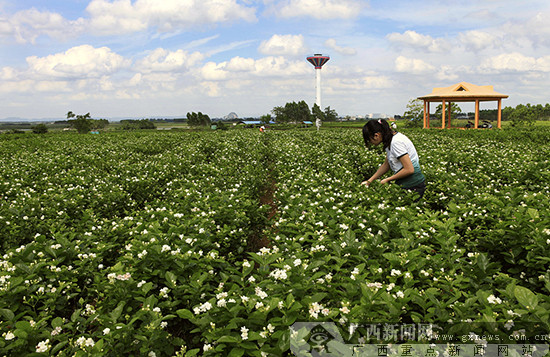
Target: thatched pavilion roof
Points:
(463, 92)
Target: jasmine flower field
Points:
(215, 243)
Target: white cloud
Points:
(161, 60)
(478, 40)
(214, 71)
(246, 68)
(239, 64)
(122, 16)
(411, 65)
(291, 45)
(347, 51)
(318, 9)
(414, 39)
(447, 73)
(78, 62)
(516, 62)
(27, 25)
(360, 83)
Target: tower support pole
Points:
(318, 87)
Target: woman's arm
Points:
(379, 173)
(407, 170)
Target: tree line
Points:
(299, 112)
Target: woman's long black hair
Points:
(374, 126)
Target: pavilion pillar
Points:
(424, 125)
(428, 112)
(499, 115)
(476, 122)
(443, 115)
(449, 113)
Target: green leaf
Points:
(75, 315)
(57, 322)
(58, 347)
(192, 352)
(115, 314)
(315, 298)
(146, 287)
(236, 352)
(526, 297)
(171, 279)
(23, 325)
(185, 314)
(228, 339)
(391, 257)
(20, 333)
(7, 314)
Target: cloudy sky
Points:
(143, 58)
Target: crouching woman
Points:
(401, 157)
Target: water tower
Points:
(318, 60)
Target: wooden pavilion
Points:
(461, 92)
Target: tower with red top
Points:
(318, 60)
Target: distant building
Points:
(231, 116)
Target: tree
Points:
(265, 119)
(292, 112)
(137, 124)
(317, 113)
(523, 115)
(82, 123)
(330, 114)
(40, 129)
(198, 119)
(455, 109)
(414, 113)
(280, 115)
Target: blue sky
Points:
(144, 58)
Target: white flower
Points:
(375, 286)
(141, 283)
(344, 310)
(509, 324)
(151, 354)
(493, 300)
(260, 293)
(244, 333)
(206, 347)
(395, 272)
(43, 346)
(163, 324)
(106, 331)
(400, 294)
(9, 336)
(165, 248)
(278, 274)
(297, 262)
(164, 292)
(125, 276)
(246, 264)
(56, 331)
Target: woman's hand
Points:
(385, 181)
(366, 183)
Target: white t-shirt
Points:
(400, 146)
